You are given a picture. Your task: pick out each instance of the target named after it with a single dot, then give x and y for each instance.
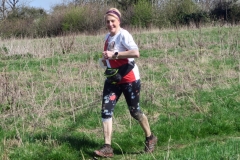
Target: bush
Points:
(234, 14)
(227, 11)
(197, 18)
(74, 19)
(176, 11)
(142, 14)
(83, 18)
(15, 28)
(50, 25)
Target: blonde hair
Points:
(113, 12)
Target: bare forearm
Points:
(128, 54)
(121, 55)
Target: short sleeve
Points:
(128, 42)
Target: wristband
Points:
(116, 55)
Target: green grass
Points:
(50, 106)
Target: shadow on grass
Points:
(80, 143)
(87, 146)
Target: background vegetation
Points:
(17, 19)
(51, 94)
(51, 83)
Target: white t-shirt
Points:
(122, 41)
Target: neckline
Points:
(115, 34)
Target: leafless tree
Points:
(13, 4)
(3, 9)
(10, 6)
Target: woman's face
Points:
(113, 24)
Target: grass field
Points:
(50, 97)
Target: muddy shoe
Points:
(150, 144)
(105, 151)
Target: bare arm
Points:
(122, 54)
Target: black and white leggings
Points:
(111, 94)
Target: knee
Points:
(136, 113)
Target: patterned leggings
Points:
(111, 94)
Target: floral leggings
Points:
(111, 94)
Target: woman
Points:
(120, 50)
